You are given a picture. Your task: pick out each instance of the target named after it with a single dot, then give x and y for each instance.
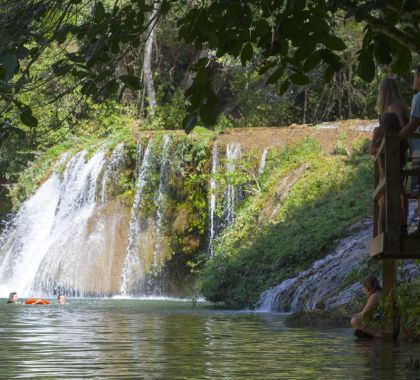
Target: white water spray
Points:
(132, 267)
(43, 249)
(233, 153)
(164, 171)
(262, 162)
(213, 186)
(111, 170)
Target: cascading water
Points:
(133, 269)
(42, 251)
(262, 162)
(111, 170)
(321, 282)
(23, 244)
(213, 185)
(233, 153)
(164, 171)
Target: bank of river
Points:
(166, 339)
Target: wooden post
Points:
(389, 292)
(392, 194)
(375, 201)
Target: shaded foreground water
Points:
(171, 340)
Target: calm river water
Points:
(161, 339)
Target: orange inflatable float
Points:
(36, 301)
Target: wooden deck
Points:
(409, 248)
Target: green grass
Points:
(333, 193)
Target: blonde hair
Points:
(389, 94)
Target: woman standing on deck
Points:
(391, 101)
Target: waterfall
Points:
(42, 250)
(262, 162)
(321, 282)
(213, 185)
(111, 169)
(24, 243)
(233, 153)
(132, 268)
(164, 171)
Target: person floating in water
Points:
(373, 292)
(13, 298)
(61, 299)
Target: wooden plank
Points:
(377, 245)
(392, 193)
(375, 203)
(379, 189)
(409, 248)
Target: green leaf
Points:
(61, 33)
(262, 28)
(284, 86)
(331, 59)
(208, 114)
(88, 88)
(140, 18)
(275, 77)
(211, 97)
(306, 48)
(299, 79)
(10, 62)
(213, 40)
(246, 53)
(2, 71)
(334, 43)
(27, 118)
(22, 52)
(267, 66)
(366, 66)
(111, 88)
(189, 122)
(312, 61)
(131, 81)
(402, 62)
(98, 11)
(382, 52)
(329, 74)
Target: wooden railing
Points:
(388, 242)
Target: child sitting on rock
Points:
(373, 292)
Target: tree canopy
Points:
(286, 39)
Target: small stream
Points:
(169, 339)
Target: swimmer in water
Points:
(61, 299)
(13, 298)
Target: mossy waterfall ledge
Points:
(168, 214)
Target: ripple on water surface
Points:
(171, 340)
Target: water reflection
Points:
(170, 340)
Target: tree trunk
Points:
(147, 61)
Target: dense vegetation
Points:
(266, 244)
(66, 61)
